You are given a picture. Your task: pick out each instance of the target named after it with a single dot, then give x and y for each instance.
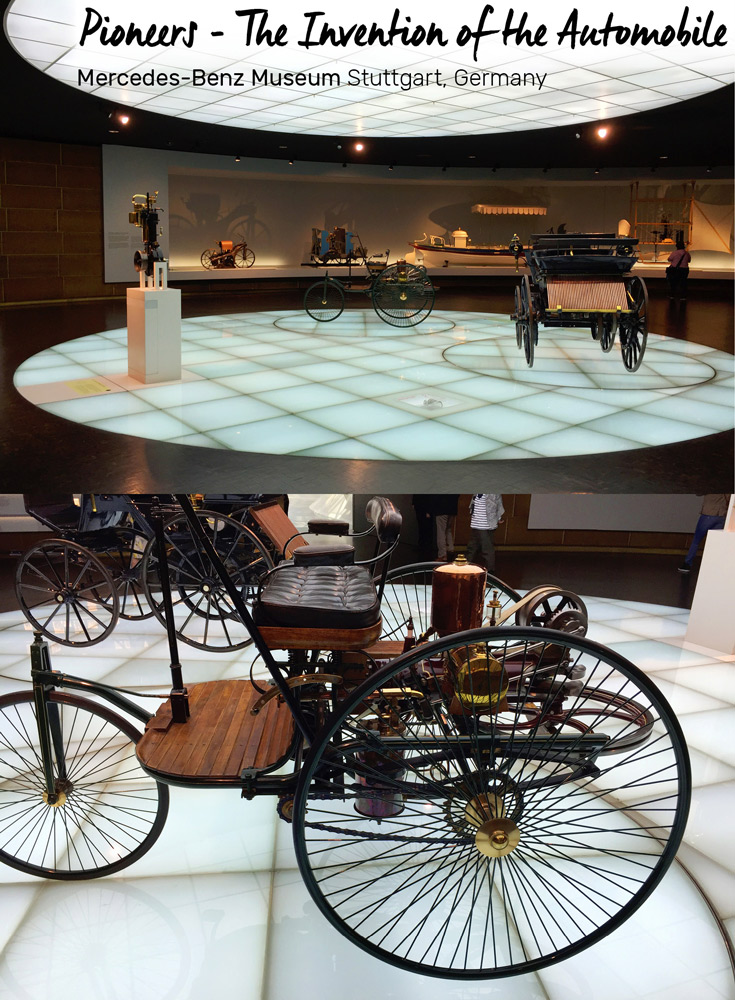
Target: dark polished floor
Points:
(41, 451)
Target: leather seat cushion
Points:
(319, 597)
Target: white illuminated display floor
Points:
(351, 89)
(455, 387)
(218, 908)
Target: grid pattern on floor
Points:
(219, 901)
(347, 94)
(278, 382)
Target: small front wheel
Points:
(207, 258)
(606, 329)
(324, 301)
(67, 593)
(108, 811)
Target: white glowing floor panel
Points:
(218, 908)
(423, 87)
(455, 387)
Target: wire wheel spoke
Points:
(108, 811)
(204, 614)
(79, 585)
(474, 809)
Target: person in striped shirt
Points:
(486, 513)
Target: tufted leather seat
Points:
(318, 597)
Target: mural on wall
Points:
(200, 216)
(276, 215)
(274, 207)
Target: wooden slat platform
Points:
(221, 737)
(569, 295)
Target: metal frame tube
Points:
(245, 616)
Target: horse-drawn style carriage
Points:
(468, 800)
(583, 279)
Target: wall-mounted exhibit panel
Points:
(614, 511)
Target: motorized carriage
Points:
(583, 280)
(401, 294)
(227, 253)
(467, 803)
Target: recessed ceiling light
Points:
(602, 132)
(359, 147)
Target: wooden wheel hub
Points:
(497, 837)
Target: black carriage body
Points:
(584, 280)
(599, 260)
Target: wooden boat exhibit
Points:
(443, 251)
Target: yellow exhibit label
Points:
(88, 386)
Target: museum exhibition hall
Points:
(278, 713)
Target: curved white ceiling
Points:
(583, 83)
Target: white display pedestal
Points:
(154, 329)
(712, 619)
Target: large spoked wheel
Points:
(124, 558)
(244, 257)
(634, 325)
(605, 329)
(324, 301)
(403, 295)
(204, 614)
(108, 811)
(407, 594)
(207, 258)
(66, 593)
(476, 809)
(526, 321)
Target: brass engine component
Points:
(480, 681)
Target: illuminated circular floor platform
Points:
(453, 388)
(219, 900)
